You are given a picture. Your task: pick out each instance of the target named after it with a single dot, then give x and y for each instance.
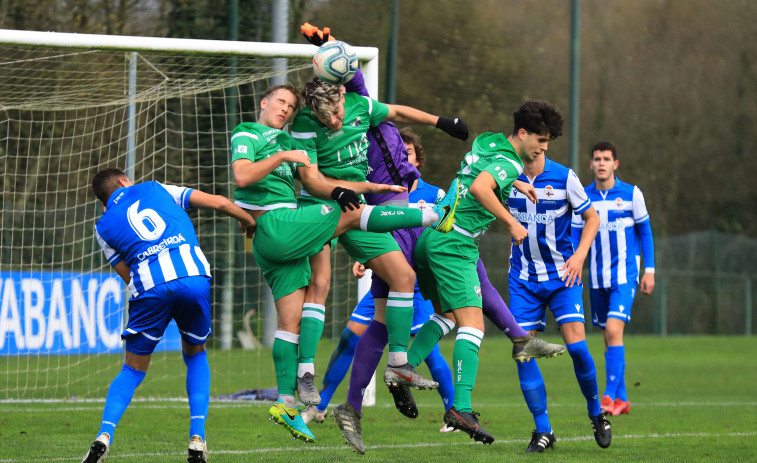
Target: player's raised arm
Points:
(455, 127)
(201, 200)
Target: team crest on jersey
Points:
(477, 289)
(549, 191)
(618, 203)
(357, 122)
(325, 209)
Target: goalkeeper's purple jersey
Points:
(145, 226)
(387, 156)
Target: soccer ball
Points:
(335, 62)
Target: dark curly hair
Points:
(538, 117)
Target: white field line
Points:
(312, 448)
(96, 404)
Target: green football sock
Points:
(381, 219)
(427, 337)
(285, 361)
(399, 320)
(465, 366)
(311, 329)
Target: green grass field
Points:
(692, 399)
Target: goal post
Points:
(162, 109)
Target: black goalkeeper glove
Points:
(346, 198)
(316, 36)
(455, 127)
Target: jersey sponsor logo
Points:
(390, 213)
(459, 370)
(525, 217)
(272, 132)
(176, 239)
(621, 308)
(325, 209)
(578, 307)
(331, 135)
(613, 226)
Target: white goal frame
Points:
(368, 57)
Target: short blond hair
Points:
(321, 98)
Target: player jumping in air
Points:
(264, 162)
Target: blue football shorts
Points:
(186, 300)
(615, 302)
(529, 301)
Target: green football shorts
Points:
(304, 201)
(364, 246)
(445, 264)
(284, 240)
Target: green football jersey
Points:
(491, 153)
(256, 142)
(341, 154)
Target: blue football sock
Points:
(441, 373)
(198, 391)
(120, 392)
(614, 369)
(535, 393)
(586, 374)
(339, 364)
(622, 394)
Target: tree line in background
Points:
(673, 83)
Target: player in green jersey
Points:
(264, 163)
(485, 180)
(332, 129)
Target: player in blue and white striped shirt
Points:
(545, 270)
(614, 263)
(151, 243)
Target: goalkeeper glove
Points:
(316, 36)
(346, 198)
(455, 127)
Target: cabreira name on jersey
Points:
(161, 246)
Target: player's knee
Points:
(318, 289)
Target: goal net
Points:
(160, 109)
